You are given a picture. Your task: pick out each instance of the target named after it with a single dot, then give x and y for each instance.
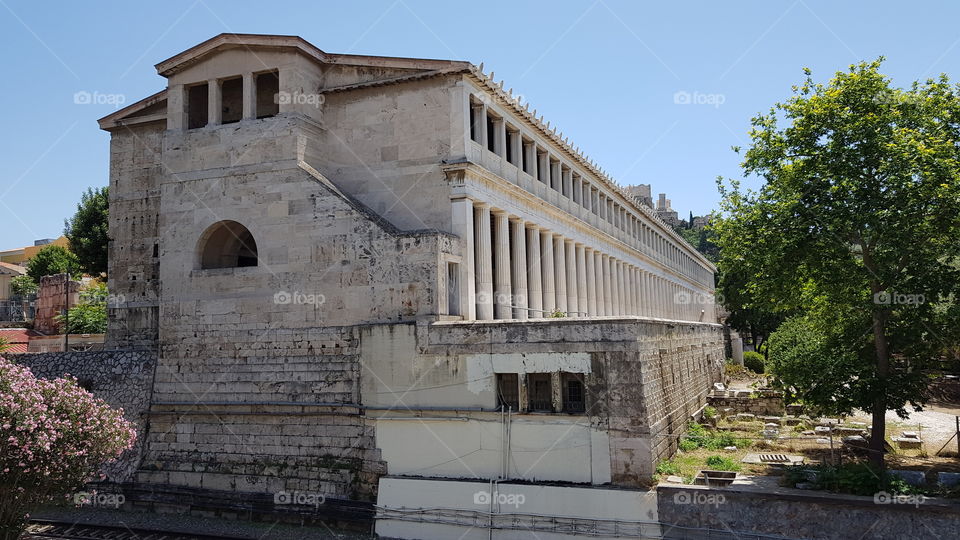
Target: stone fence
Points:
(124, 379)
(811, 515)
(763, 403)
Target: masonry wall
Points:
(122, 379)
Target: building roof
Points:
(12, 269)
(18, 338)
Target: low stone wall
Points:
(123, 379)
(812, 515)
(765, 404)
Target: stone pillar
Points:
(607, 287)
(482, 118)
(644, 295)
(517, 149)
(500, 137)
(578, 190)
(463, 227)
(534, 273)
(573, 295)
(546, 265)
(628, 288)
(518, 275)
(214, 103)
(591, 287)
(582, 302)
(543, 167)
(560, 272)
(531, 149)
(638, 290)
(484, 264)
(503, 290)
(618, 288)
(249, 97)
(566, 183)
(598, 275)
(177, 107)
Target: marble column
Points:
(560, 272)
(503, 290)
(484, 263)
(546, 265)
(518, 275)
(573, 295)
(463, 227)
(591, 275)
(607, 287)
(249, 97)
(214, 102)
(582, 302)
(534, 273)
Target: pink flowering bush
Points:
(54, 436)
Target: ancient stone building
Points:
(359, 270)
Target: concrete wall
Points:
(816, 516)
(428, 509)
(122, 379)
(644, 381)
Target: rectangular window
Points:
(540, 389)
(508, 391)
(268, 88)
(231, 108)
(453, 288)
(574, 394)
(197, 101)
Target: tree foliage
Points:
(23, 286)
(855, 226)
(52, 260)
(87, 231)
(89, 316)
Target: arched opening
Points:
(227, 244)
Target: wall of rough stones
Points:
(816, 516)
(124, 379)
(765, 403)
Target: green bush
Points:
(720, 463)
(668, 467)
(753, 361)
(699, 437)
(688, 445)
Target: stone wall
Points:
(815, 516)
(765, 403)
(122, 379)
(52, 299)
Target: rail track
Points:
(43, 528)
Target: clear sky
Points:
(606, 72)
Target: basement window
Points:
(268, 90)
(540, 390)
(231, 108)
(197, 101)
(574, 395)
(227, 244)
(508, 391)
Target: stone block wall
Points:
(52, 299)
(765, 404)
(122, 379)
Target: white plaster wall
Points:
(560, 501)
(542, 447)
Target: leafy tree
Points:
(89, 316)
(87, 231)
(52, 260)
(23, 286)
(856, 224)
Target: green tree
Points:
(52, 260)
(856, 225)
(23, 286)
(87, 231)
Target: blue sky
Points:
(606, 72)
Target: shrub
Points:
(709, 412)
(54, 436)
(668, 467)
(699, 437)
(753, 361)
(688, 445)
(720, 463)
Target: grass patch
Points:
(699, 436)
(720, 463)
